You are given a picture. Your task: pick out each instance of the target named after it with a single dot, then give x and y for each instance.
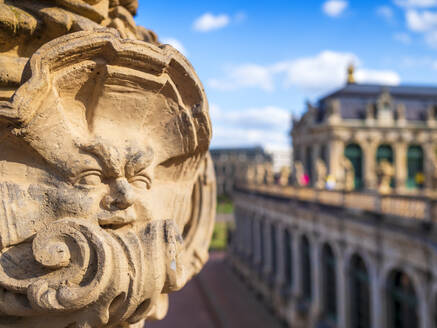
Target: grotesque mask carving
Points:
(107, 188)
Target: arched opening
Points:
(273, 250)
(416, 177)
(354, 153)
(359, 293)
(288, 253)
(305, 259)
(402, 301)
(384, 152)
(329, 279)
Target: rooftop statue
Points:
(107, 188)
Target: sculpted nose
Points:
(121, 197)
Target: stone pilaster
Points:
(400, 150)
(429, 158)
(376, 297)
(296, 267)
(342, 306)
(336, 150)
(369, 167)
(280, 231)
(316, 278)
(315, 155)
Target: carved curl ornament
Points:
(107, 189)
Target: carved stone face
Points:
(107, 181)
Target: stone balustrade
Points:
(403, 206)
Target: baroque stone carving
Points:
(298, 173)
(108, 192)
(386, 172)
(284, 176)
(348, 174)
(26, 25)
(321, 174)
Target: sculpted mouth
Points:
(115, 222)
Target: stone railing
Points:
(404, 206)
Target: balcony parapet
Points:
(417, 207)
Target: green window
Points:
(416, 176)
(384, 152)
(354, 153)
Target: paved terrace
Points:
(216, 298)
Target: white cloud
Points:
(384, 77)
(208, 22)
(416, 3)
(267, 126)
(385, 12)
(176, 44)
(319, 73)
(402, 38)
(334, 8)
(314, 75)
(245, 76)
(421, 21)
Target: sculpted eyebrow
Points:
(108, 157)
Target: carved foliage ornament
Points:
(108, 194)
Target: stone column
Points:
(280, 257)
(429, 156)
(400, 149)
(315, 155)
(336, 150)
(342, 305)
(424, 295)
(369, 151)
(377, 294)
(297, 276)
(256, 241)
(267, 249)
(316, 276)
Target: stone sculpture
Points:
(298, 174)
(260, 172)
(386, 172)
(348, 171)
(250, 174)
(269, 175)
(108, 191)
(321, 174)
(284, 176)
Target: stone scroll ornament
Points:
(107, 189)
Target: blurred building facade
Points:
(353, 244)
(231, 164)
(370, 131)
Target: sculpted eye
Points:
(141, 180)
(89, 178)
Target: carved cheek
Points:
(71, 201)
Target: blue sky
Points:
(261, 60)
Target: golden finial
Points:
(350, 74)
